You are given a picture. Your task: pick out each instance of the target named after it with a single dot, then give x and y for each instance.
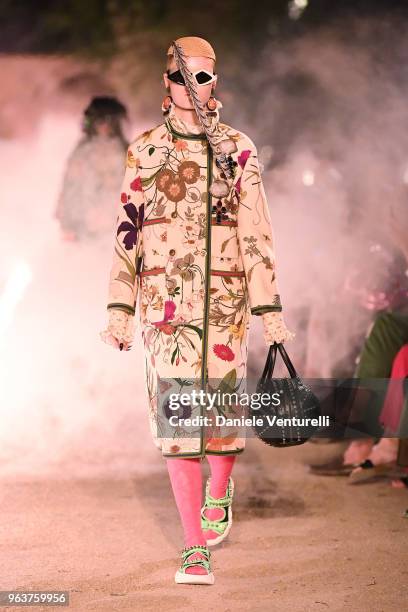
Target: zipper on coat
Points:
(207, 267)
(204, 366)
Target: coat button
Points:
(172, 252)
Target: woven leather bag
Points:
(297, 401)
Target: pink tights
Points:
(187, 484)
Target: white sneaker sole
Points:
(222, 537)
(182, 578)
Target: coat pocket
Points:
(155, 242)
(170, 292)
(185, 271)
(152, 294)
(228, 292)
(224, 239)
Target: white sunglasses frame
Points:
(213, 74)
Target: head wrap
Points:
(193, 46)
(222, 149)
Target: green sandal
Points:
(222, 525)
(181, 577)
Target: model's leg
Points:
(186, 481)
(221, 468)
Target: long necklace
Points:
(222, 149)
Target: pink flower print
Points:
(166, 328)
(223, 352)
(136, 184)
(243, 157)
(180, 318)
(169, 309)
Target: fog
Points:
(328, 115)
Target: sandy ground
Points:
(298, 542)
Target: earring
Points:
(167, 101)
(212, 103)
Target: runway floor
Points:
(298, 542)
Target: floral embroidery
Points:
(243, 157)
(180, 145)
(136, 185)
(163, 177)
(133, 226)
(132, 161)
(166, 328)
(189, 171)
(223, 352)
(169, 308)
(237, 330)
(184, 267)
(175, 189)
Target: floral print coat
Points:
(197, 267)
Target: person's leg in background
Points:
(186, 481)
(383, 456)
(386, 450)
(402, 458)
(221, 468)
(387, 335)
(390, 415)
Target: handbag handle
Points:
(271, 359)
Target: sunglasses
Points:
(202, 77)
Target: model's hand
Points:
(109, 338)
(120, 329)
(275, 329)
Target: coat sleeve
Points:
(127, 251)
(255, 236)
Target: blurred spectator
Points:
(94, 172)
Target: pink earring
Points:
(167, 101)
(212, 103)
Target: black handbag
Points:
(297, 403)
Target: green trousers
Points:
(386, 337)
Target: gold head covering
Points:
(194, 46)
